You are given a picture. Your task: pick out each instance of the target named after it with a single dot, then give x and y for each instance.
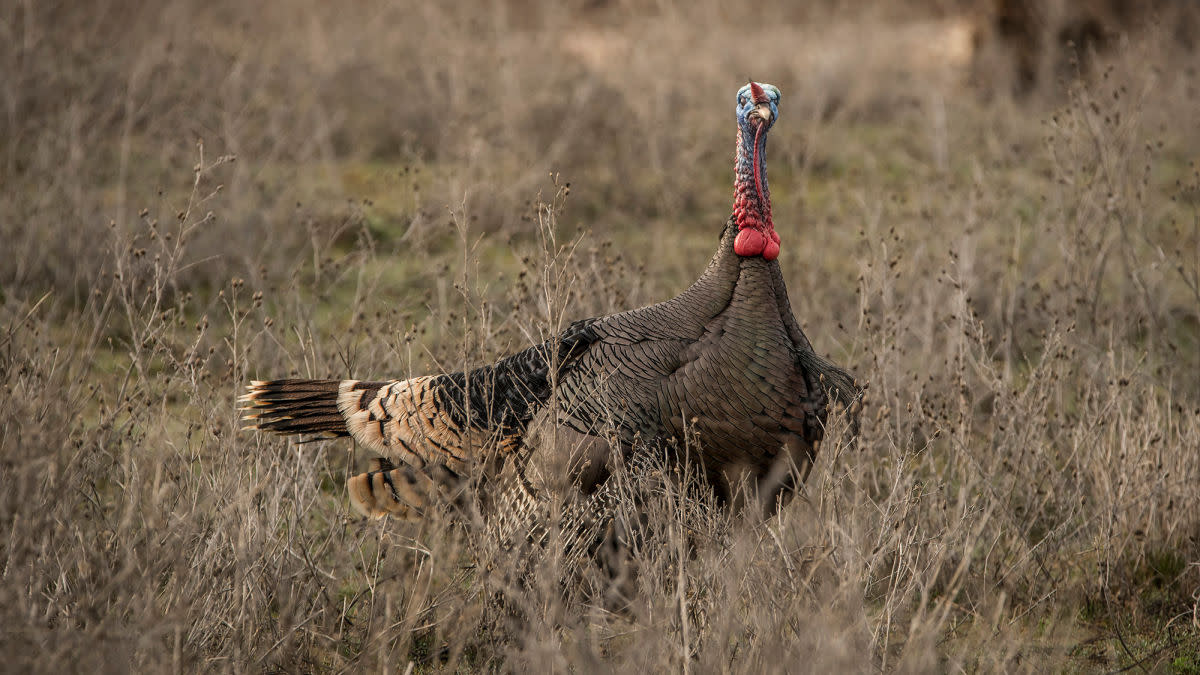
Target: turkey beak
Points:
(763, 112)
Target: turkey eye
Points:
(741, 100)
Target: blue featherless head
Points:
(757, 103)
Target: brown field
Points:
(197, 194)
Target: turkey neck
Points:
(752, 195)
(751, 214)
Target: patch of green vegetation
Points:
(1187, 663)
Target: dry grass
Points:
(1018, 282)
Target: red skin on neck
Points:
(752, 209)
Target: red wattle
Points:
(751, 243)
(774, 236)
(771, 251)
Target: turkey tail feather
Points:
(294, 406)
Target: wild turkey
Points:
(724, 360)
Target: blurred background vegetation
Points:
(989, 210)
